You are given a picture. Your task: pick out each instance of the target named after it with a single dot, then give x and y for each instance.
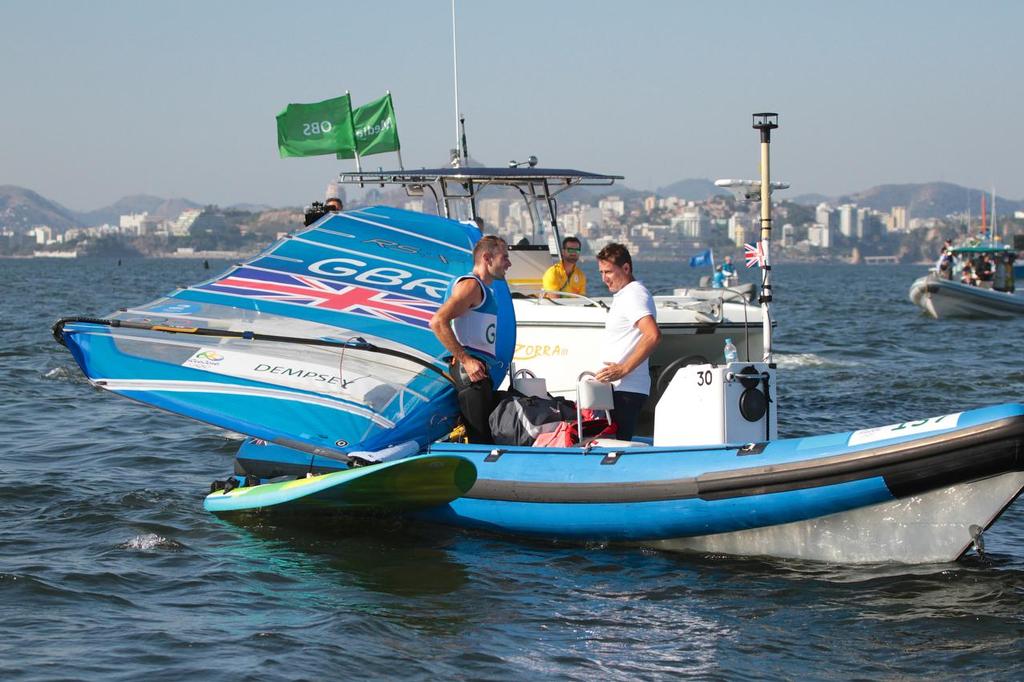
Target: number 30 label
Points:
(704, 378)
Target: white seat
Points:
(592, 394)
(526, 383)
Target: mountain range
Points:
(21, 208)
(930, 200)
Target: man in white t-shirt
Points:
(630, 336)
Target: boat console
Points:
(703, 405)
(714, 404)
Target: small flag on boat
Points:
(376, 128)
(703, 258)
(753, 254)
(317, 128)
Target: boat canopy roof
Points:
(482, 174)
(456, 189)
(983, 248)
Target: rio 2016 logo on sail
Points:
(317, 128)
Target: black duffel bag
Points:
(519, 419)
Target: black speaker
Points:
(753, 404)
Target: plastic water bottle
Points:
(730, 352)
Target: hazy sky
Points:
(103, 99)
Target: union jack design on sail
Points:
(754, 255)
(310, 291)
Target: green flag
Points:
(319, 128)
(376, 128)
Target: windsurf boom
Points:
(320, 343)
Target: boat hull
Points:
(911, 493)
(944, 298)
(937, 526)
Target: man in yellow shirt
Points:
(564, 275)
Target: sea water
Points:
(110, 568)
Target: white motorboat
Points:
(947, 292)
(947, 298)
(558, 338)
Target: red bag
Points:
(562, 437)
(599, 428)
(566, 436)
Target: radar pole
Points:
(455, 69)
(766, 122)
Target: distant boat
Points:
(941, 293)
(55, 254)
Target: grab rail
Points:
(537, 300)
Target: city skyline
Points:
(122, 98)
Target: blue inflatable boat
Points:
(915, 492)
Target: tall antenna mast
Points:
(455, 62)
(766, 122)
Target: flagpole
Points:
(398, 151)
(352, 125)
(766, 122)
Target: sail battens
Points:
(411, 335)
(284, 258)
(408, 233)
(363, 254)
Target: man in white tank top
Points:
(467, 325)
(630, 336)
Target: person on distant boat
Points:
(967, 274)
(476, 323)
(718, 279)
(946, 267)
(565, 275)
(999, 273)
(945, 256)
(1003, 278)
(729, 270)
(986, 270)
(630, 336)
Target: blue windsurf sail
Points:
(321, 343)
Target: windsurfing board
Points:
(411, 483)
